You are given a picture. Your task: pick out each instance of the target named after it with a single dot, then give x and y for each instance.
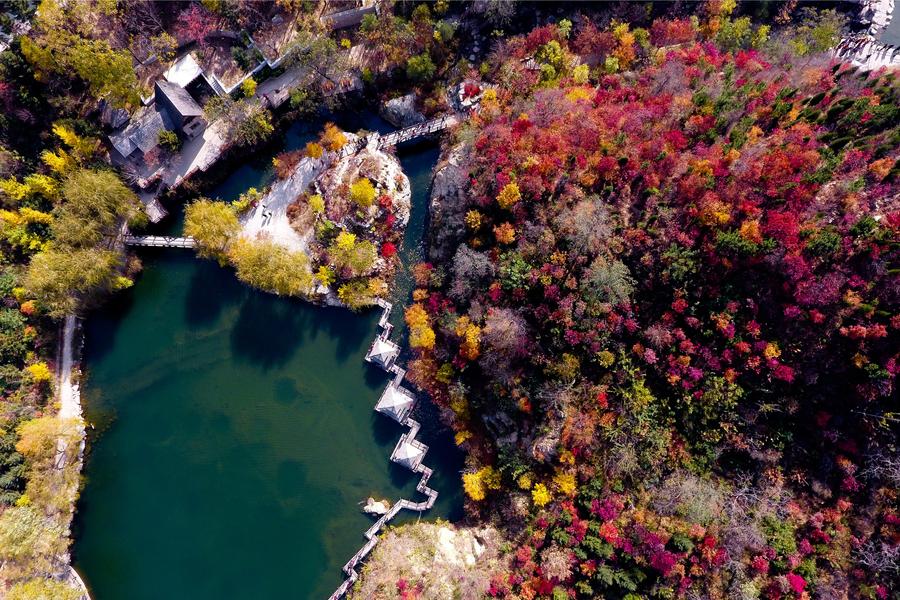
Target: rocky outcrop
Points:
(380, 167)
(864, 49)
(448, 204)
(439, 559)
(401, 112)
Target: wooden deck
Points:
(371, 534)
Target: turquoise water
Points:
(234, 434)
(891, 34)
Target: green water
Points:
(234, 434)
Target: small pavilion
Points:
(383, 352)
(409, 452)
(396, 402)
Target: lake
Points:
(235, 435)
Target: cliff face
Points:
(437, 560)
(448, 192)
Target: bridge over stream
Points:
(160, 241)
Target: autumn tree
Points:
(609, 281)
(362, 192)
(59, 278)
(271, 267)
(30, 542)
(356, 257)
(253, 126)
(95, 204)
(60, 44)
(333, 139)
(213, 225)
(421, 335)
(420, 68)
(43, 589)
(318, 53)
(195, 24)
(471, 270)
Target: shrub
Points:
(420, 68)
(169, 140)
(362, 192)
(248, 87)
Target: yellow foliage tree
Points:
(333, 138)
(469, 349)
(81, 147)
(505, 233)
(317, 203)
(314, 150)
(509, 195)
(362, 192)
(60, 162)
(248, 88)
(345, 240)
(421, 335)
(565, 482)
(40, 372)
(474, 486)
(540, 495)
(473, 219)
(478, 483)
(325, 275)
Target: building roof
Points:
(184, 71)
(142, 132)
(396, 402)
(383, 351)
(408, 454)
(179, 99)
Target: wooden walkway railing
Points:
(160, 241)
(418, 130)
(371, 534)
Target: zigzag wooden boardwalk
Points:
(383, 354)
(160, 241)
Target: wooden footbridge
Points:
(377, 141)
(397, 403)
(418, 130)
(160, 241)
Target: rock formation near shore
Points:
(447, 204)
(437, 560)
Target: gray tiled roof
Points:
(179, 99)
(142, 132)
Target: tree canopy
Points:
(213, 225)
(269, 266)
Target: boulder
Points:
(374, 507)
(402, 112)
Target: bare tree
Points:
(471, 269)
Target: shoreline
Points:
(69, 396)
(864, 50)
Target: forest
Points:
(660, 310)
(662, 317)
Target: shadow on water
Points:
(200, 309)
(347, 329)
(105, 324)
(385, 430)
(376, 377)
(283, 324)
